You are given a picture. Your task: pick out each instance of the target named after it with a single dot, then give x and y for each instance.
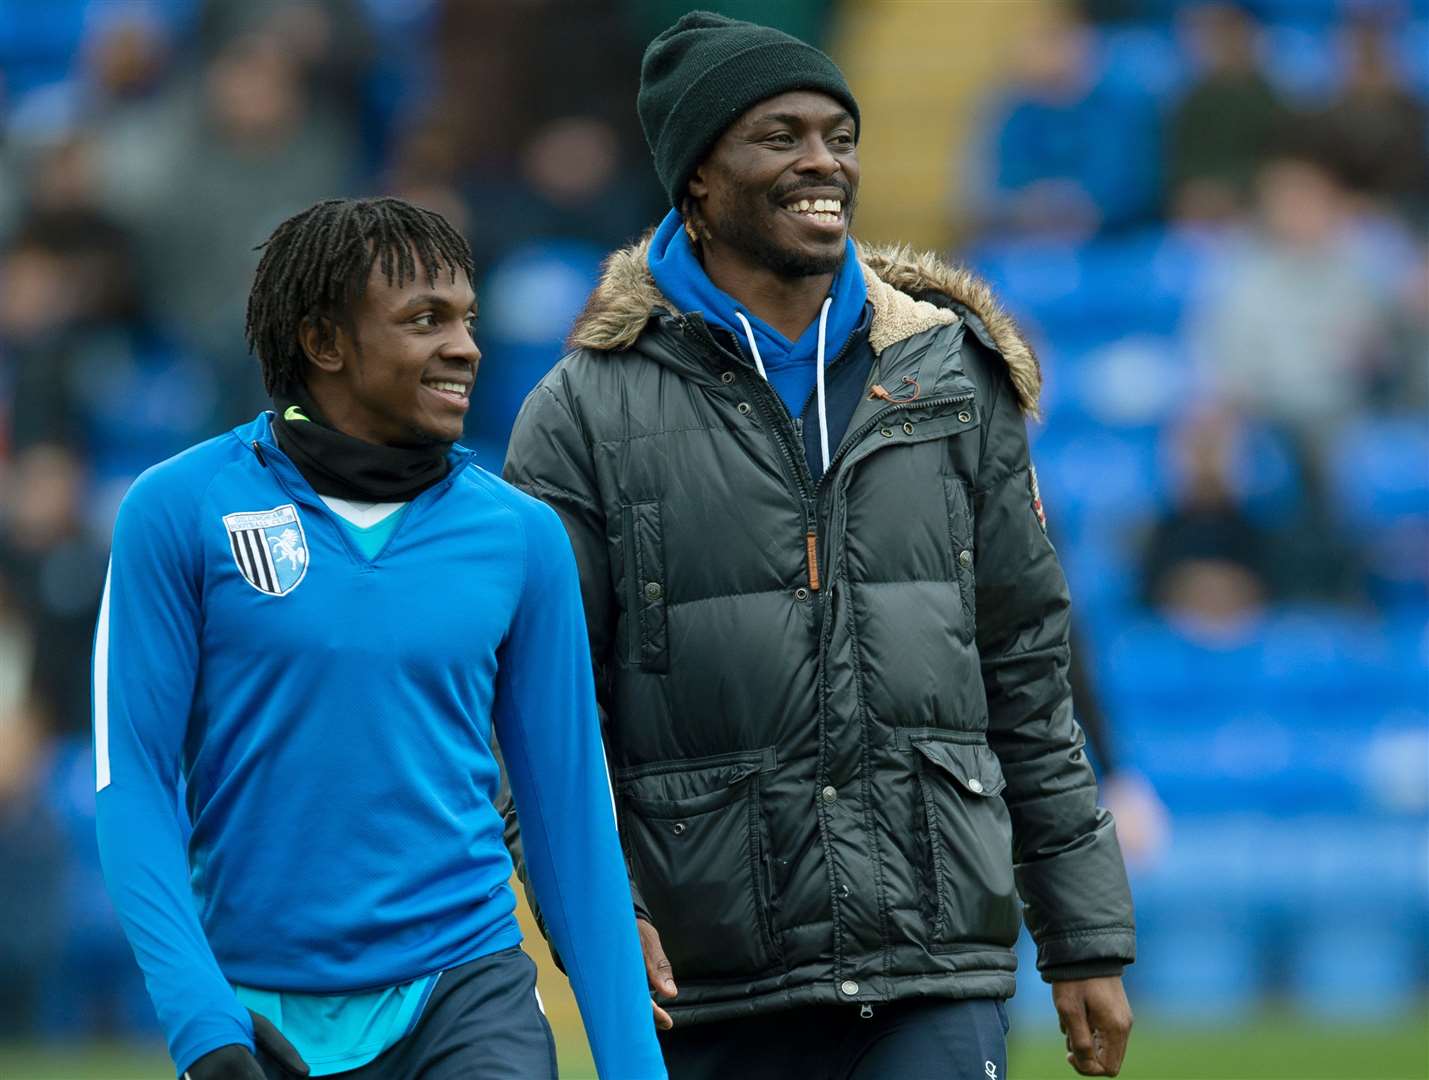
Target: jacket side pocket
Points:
(969, 837)
(697, 851)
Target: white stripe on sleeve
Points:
(101, 690)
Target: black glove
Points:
(236, 1063)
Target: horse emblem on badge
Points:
(270, 548)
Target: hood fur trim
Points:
(621, 305)
(915, 272)
(896, 315)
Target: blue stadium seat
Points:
(1100, 291)
(1411, 47)
(1301, 61)
(1088, 470)
(1381, 470)
(1258, 904)
(1313, 709)
(1142, 58)
(95, 985)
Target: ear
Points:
(698, 186)
(321, 340)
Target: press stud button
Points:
(907, 427)
(965, 558)
(965, 416)
(829, 794)
(653, 591)
(727, 377)
(744, 408)
(975, 785)
(887, 433)
(801, 593)
(848, 987)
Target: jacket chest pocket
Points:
(962, 536)
(645, 586)
(964, 839)
(695, 835)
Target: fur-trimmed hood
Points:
(627, 296)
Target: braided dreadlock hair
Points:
(316, 265)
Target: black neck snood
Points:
(346, 467)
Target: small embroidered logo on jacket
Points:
(270, 548)
(1036, 497)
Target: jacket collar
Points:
(627, 297)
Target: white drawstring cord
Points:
(818, 373)
(749, 332)
(819, 384)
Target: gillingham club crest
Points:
(270, 548)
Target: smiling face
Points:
(778, 188)
(402, 369)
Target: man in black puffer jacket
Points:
(829, 631)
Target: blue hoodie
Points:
(790, 365)
(333, 715)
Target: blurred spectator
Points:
(329, 40)
(31, 888)
(1296, 328)
(54, 565)
(805, 19)
(1222, 129)
(88, 368)
(425, 170)
(223, 167)
(529, 302)
(1376, 133)
(1404, 386)
(1212, 565)
(544, 125)
(1061, 155)
(572, 182)
(1207, 564)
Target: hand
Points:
(657, 970)
(1096, 1018)
(236, 1063)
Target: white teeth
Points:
(818, 208)
(450, 387)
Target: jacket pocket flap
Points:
(691, 785)
(973, 765)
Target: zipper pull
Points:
(811, 554)
(865, 1011)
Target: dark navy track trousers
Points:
(916, 1039)
(482, 1022)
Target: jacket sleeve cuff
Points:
(1089, 969)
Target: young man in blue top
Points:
(320, 621)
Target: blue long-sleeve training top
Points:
(333, 716)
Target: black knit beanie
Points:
(700, 76)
